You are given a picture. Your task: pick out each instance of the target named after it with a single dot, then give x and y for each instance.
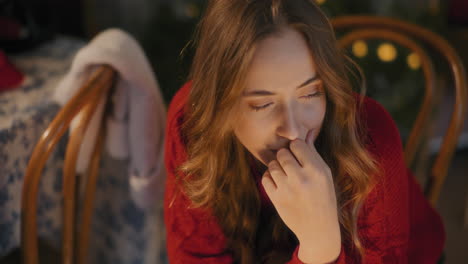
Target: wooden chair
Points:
(86, 101)
(415, 38)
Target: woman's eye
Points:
(309, 96)
(258, 108)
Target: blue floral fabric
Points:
(121, 232)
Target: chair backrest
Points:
(416, 38)
(84, 102)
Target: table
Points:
(121, 232)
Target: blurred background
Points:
(393, 73)
(164, 27)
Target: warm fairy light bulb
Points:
(413, 61)
(386, 52)
(320, 1)
(359, 48)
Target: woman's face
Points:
(283, 98)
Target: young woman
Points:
(273, 158)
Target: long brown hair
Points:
(220, 168)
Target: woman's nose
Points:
(288, 124)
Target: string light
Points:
(386, 52)
(413, 61)
(359, 48)
(320, 1)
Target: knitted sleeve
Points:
(383, 222)
(396, 224)
(193, 235)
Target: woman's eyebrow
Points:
(314, 78)
(264, 93)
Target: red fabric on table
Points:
(10, 77)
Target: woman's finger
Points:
(313, 150)
(277, 173)
(317, 157)
(301, 151)
(268, 184)
(310, 138)
(288, 162)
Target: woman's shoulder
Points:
(175, 147)
(179, 101)
(382, 134)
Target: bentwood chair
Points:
(416, 38)
(84, 103)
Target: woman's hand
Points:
(300, 186)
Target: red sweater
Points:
(396, 223)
